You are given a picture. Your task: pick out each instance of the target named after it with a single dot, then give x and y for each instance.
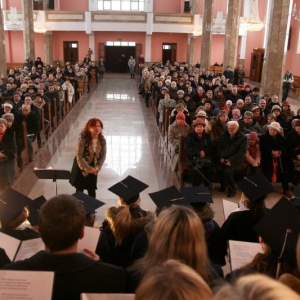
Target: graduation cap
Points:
(197, 195)
(12, 204)
(90, 203)
(128, 189)
(34, 210)
(167, 197)
(280, 229)
(256, 186)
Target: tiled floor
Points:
(133, 147)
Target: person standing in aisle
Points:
(131, 65)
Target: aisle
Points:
(132, 144)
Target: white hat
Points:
(228, 102)
(275, 125)
(201, 113)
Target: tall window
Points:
(134, 5)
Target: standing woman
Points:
(90, 156)
(8, 151)
(239, 75)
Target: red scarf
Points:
(1, 137)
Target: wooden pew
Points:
(81, 87)
(24, 152)
(10, 66)
(43, 135)
(296, 85)
(167, 114)
(182, 165)
(47, 120)
(53, 110)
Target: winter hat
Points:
(8, 117)
(252, 136)
(236, 111)
(276, 107)
(228, 102)
(180, 115)
(198, 122)
(275, 125)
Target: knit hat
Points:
(296, 122)
(228, 102)
(180, 115)
(240, 86)
(198, 122)
(201, 113)
(285, 103)
(8, 104)
(236, 111)
(275, 125)
(180, 92)
(247, 86)
(252, 136)
(276, 107)
(8, 117)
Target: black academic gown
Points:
(75, 273)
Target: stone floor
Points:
(134, 147)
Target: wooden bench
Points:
(218, 70)
(296, 85)
(182, 165)
(14, 66)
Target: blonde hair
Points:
(255, 287)
(122, 223)
(177, 234)
(172, 281)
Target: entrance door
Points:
(71, 52)
(113, 57)
(169, 52)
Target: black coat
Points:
(293, 144)
(233, 149)
(75, 273)
(193, 145)
(267, 145)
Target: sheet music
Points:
(242, 253)
(29, 247)
(26, 285)
(107, 296)
(229, 207)
(90, 239)
(9, 244)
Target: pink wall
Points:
(102, 37)
(159, 38)
(292, 58)
(255, 39)
(217, 49)
(76, 36)
(72, 5)
(14, 46)
(12, 3)
(168, 6)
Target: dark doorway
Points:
(169, 52)
(71, 52)
(113, 57)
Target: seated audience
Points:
(178, 129)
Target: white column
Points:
(148, 48)
(92, 44)
(148, 6)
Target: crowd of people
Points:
(24, 93)
(220, 121)
(178, 251)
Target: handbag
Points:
(203, 162)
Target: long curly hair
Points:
(86, 131)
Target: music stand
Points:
(53, 174)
